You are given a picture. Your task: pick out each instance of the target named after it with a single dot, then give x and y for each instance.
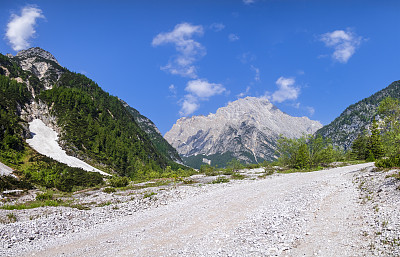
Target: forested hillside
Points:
(357, 117)
(93, 125)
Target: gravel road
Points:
(298, 214)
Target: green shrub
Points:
(268, 171)
(109, 190)
(118, 181)
(148, 194)
(44, 196)
(237, 175)
(220, 179)
(390, 162)
(10, 183)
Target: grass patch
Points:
(149, 194)
(44, 203)
(220, 179)
(237, 175)
(11, 217)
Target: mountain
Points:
(155, 135)
(92, 125)
(246, 129)
(357, 117)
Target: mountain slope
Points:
(357, 117)
(93, 126)
(155, 135)
(246, 129)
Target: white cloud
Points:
(203, 89)
(286, 91)
(343, 42)
(233, 37)
(247, 57)
(310, 110)
(217, 27)
(243, 94)
(188, 49)
(249, 1)
(257, 71)
(174, 91)
(189, 105)
(199, 90)
(21, 28)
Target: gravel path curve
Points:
(299, 214)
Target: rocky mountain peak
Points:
(36, 52)
(248, 128)
(41, 63)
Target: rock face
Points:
(41, 63)
(247, 129)
(357, 117)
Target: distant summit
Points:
(35, 52)
(246, 129)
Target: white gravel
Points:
(323, 213)
(44, 141)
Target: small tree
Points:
(374, 143)
(359, 147)
(303, 157)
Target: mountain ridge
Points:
(357, 117)
(247, 127)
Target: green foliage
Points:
(44, 196)
(10, 183)
(306, 152)
(393, 161)
(237, 175)
(359, 147)
(13, 95)
(149, 194)
(208, 170)
(374, 144)
(358, 116)
(116, 181)
(220, 179)
(98, 126)
(109, 190)
(303, 159)
(389, 110)
(234, 165)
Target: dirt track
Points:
(299, 214)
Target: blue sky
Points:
(170, 59)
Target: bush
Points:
(10, 183)
(109, 190)
(268, 171)
(220, 179)
(119, 181)
(391, 162)
(44, 196)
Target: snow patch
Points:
(5, 170)
(44, 140)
